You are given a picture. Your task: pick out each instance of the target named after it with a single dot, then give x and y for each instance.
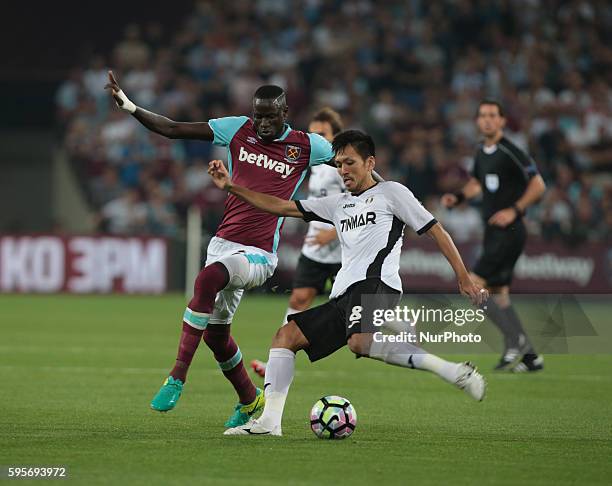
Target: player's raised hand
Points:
(475, 292)
(503, 217)
(112, 83)
(118, 95)
(448, 200)
(219, 174)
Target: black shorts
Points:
(313, 274)
(502, 248)
(328, 327)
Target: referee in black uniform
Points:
(509, 182)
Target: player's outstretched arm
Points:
(466, 285)
(265, 202)
(158, 123)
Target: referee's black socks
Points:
(517, 326)
(509, 323)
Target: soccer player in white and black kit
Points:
(509, 182)
(370, 220)
(321, 255)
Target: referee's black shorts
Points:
(312, 274)
(328, 327)
(502, 248)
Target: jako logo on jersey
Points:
(262, 160)
(358, 220)
(348, 205)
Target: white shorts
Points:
(257, 266)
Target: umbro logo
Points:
(252, 140)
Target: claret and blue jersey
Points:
(276, 168)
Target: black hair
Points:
(360, 141)
(271, 92)
(327, 115)
(490, 101)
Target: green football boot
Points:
(243, 413)
(168, 395)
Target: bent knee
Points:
(213, 277)
(237, 266)
(290, 336)
(301, 298)
(359, 344)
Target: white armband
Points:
(126, 104)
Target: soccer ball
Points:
(333, 417)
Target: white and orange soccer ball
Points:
(333, 417)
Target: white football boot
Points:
(471, 381)
(253, 427)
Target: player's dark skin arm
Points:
(449, 250)
(173, 129)
(265, 202)
(161, 124)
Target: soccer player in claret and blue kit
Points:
(321, 257)
(266, 155)
(369, 219)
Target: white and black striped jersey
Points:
(370, 227)
(324, 181)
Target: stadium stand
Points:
(413, 84)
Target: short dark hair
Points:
(490, 101)
(327, 115)
(360, 141)
(271, 92)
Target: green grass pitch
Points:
(78, 374)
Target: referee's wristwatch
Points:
(460, 198)
(517, 210)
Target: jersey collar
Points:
(285, 133)
(489, 149)
(365, 190)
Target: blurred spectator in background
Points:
(125, 214)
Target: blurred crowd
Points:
(409, 72)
